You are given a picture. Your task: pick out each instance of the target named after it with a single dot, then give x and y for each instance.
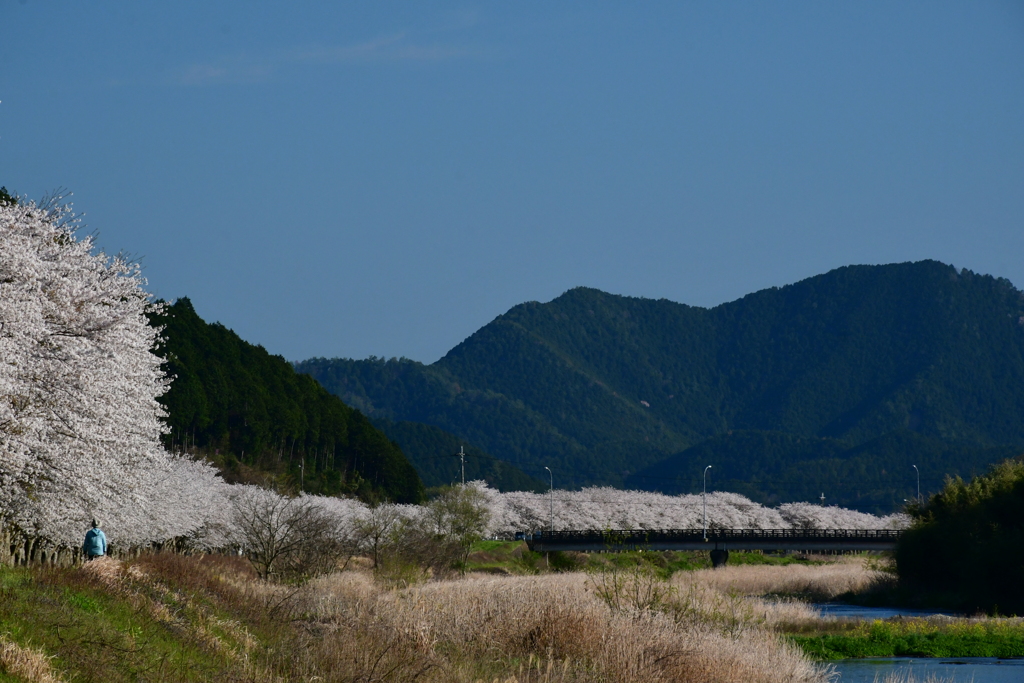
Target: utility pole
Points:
(705, 499)
(551, 500)
(302, 473)
(918, 483)
(551, 511)
(462, 457)
(823, 499)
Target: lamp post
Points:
(918, 483)
(705, 499)
(551, 500)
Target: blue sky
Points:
(348, 179)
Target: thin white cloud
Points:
(201, 74)
(391, 48)
(395, 47)
(236, 69)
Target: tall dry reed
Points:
(518, 629)
(621, 627)
(814, 582)
(26, 663)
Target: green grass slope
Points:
(170, 619)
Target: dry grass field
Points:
(555, 627)
(211, 618)
(816, 583)
(169, 617)
(25, 662)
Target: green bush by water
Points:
(919, 638)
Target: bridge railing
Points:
(641, 536)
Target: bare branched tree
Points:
(288, 537)
(375, 532)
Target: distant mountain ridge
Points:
(600, 387)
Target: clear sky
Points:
(376, 178)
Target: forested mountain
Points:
(600, 387)
(251, 413)
(433, 452)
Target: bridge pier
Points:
(719, 556)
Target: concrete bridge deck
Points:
(805, 540)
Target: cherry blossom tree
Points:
(79, 420)
(809, 516)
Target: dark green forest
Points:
(965, 548)
(433, 452)
(251, 414)
(886, 366)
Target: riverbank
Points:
(174, 618)
(824, 637)
(943, 649)
(625, 618)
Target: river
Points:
(841, 611)
(953, 669)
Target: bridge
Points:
(718, 541)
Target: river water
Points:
(839, 610)
(953, 670)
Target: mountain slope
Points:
(875, 476)
(243, 408)
(602, 386)
(433, 452)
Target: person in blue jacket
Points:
(95, 542)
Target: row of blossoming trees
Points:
(80, 429)
(79, 421)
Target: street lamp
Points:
(918, 483)
(551, 500)
(705, 498)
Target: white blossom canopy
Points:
(79, 420)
